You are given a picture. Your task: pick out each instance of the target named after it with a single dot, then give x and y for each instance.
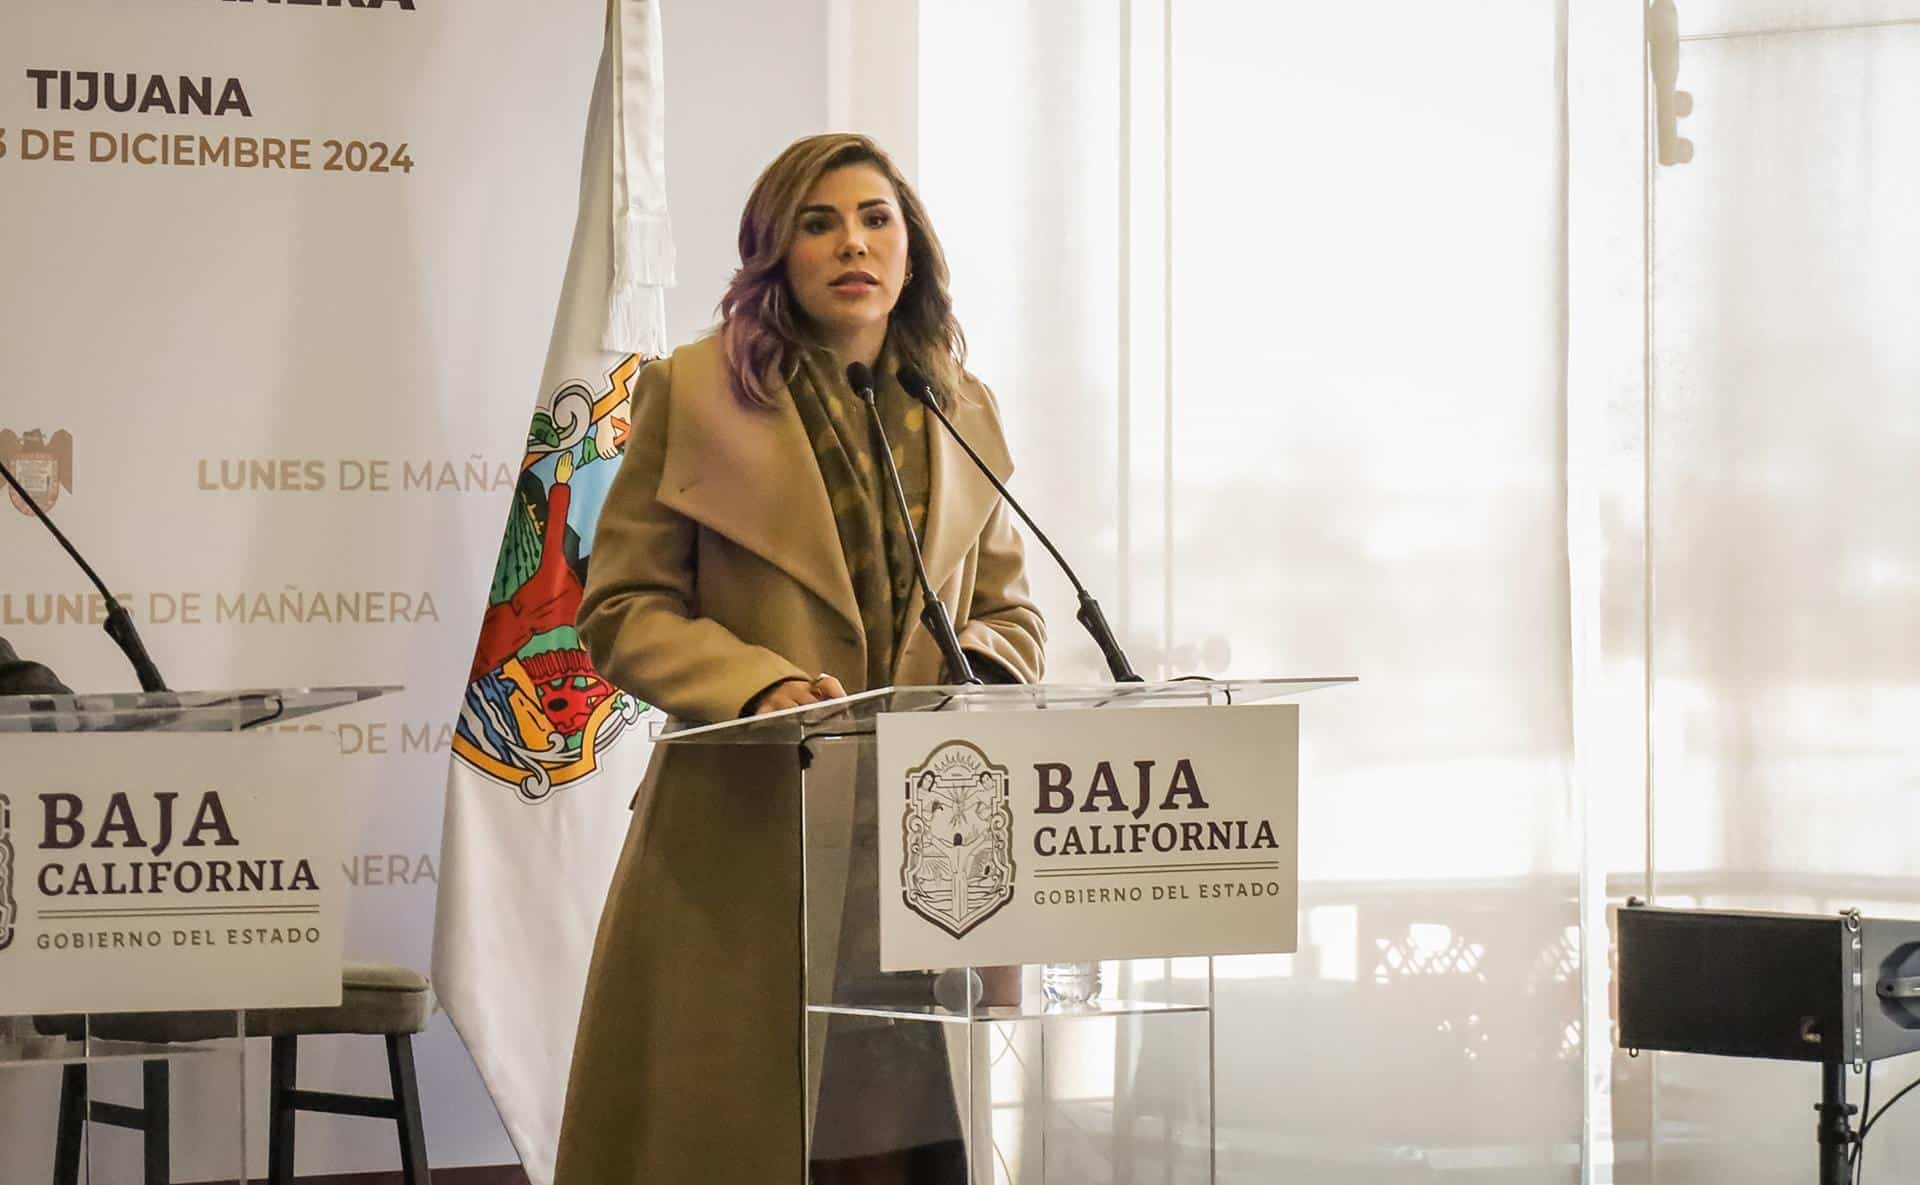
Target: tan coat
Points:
(717, 570)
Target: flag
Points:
(546, 754)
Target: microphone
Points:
(932, 612)
(1090, 616)
(119, 623)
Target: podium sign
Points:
(150, 871)
(1073, 835)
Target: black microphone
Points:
(1090, 616)
(119, 623)
(932, 612)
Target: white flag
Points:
(547, 754)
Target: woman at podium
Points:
(750, 557)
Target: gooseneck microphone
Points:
(1090, 616)
(119, 623)
(933, 613)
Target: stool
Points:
(377, 999)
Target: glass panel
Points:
(174, 711)
(887, 1084)
(1786, 533)
(29, 1109)
(856, 714)
(1035, 1089)
(1093, 1101)
(192, 1065)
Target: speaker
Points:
(1798, 987)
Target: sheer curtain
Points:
(1369, 339)
(1785, 536)
(1282, 358)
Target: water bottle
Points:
(1070, 984)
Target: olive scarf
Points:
(872, 536)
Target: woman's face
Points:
(848, 261)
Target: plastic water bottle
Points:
(1071, 984)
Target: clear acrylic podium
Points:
(974, 1073)
(55, 1063)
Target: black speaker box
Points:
(1800, 987)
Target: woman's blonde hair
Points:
(761, 323)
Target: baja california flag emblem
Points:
(958, 839)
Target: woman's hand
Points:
(796, 692)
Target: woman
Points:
(746, 561)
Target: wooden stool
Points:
(377, 999)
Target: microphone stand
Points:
(119, 623)
(933, 613)
(1089, 616)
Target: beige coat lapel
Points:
(959, 499)
(750, 475)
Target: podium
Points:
(1012, 900)
(167, 861)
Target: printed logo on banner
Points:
(958, 838)
(7, 906)
(44, 467)
(537, 716)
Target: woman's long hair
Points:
(761, 323)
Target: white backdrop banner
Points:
(280, 280)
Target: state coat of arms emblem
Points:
(41, 464)
(7, 907)
(958, 868)
(537, 716)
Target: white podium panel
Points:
(188, 871)
(1078, 835)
